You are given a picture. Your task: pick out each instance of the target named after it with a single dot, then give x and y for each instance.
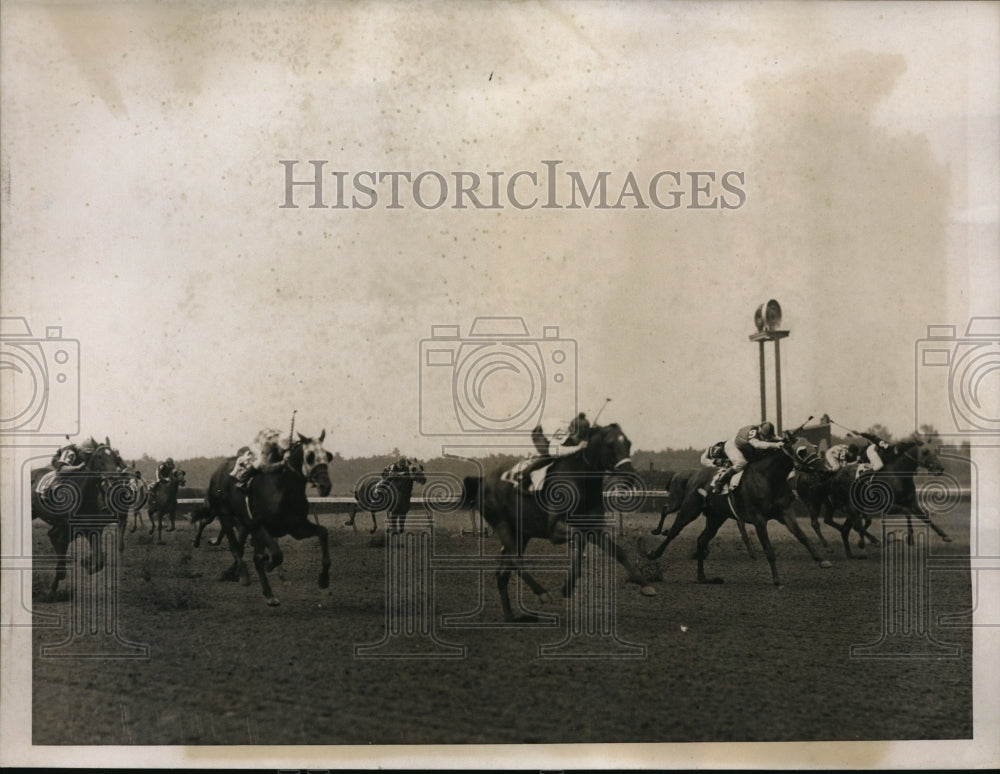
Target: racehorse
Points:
(163, 502)
(677, 487)
(573, 487)
(274, 505)
(694, 482)
(92, 490)
(392, 492)
(812, 488)
(887, 491)
(763, 494)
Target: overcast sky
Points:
(142, 187)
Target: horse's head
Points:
(918, 454)
(180, 477)
(308, 458)
(804, 455)
(416, 472)
(609, 449)
(105, 459)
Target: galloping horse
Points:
(85, 491)
(274, 505)
(763, 494)
(392, 492)
(163, 502)
(694, 482)
(573, 487)
(677, 489)
(812, 488)
(889, 490)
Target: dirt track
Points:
(742, 661)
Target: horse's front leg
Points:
(788, 519)
(713, 522)
(59, 537)
(309, 529)
(611, 547)
(658, 529)
(258, 544)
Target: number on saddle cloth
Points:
(525, 477)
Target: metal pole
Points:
(777, 380)
(763, 385)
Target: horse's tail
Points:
(471, 487)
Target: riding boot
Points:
(720, 483)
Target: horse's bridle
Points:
(622, 461)
(938, 468)
(800, 464)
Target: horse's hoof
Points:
(526, 618)
(273, 602)
(161, 542)
(654, 531)
(652, 556)
(857, 556)
(545, 597)
(324, 581)
(946, 539)
(825, 564)
(245, 580)
(647, 591)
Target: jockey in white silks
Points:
(552, 439)
(268, 449)
(841, 454)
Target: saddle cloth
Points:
(45, 482)
(515, 476)
(730, 485)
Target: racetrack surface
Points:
(742, 661)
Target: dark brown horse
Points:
(763, 494)
(677, 489)
(274, 505)
(573, 487)
(887, 491)
(163, 502)
(98, 488)
(391, 491)
(813, 490)
(695, 483)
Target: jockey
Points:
(715, 456)
(267, 454)
(560, 443)
(840, 455)
(750, 443)
(73, 457)
(164, 471)
(873, 452)
(67, 460)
